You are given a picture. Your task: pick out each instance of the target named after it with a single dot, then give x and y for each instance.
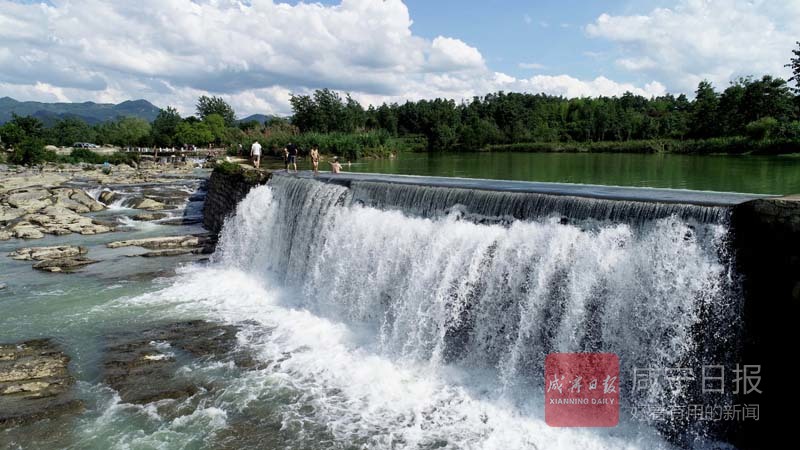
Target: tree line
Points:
(749, 112)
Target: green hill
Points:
(90, 112)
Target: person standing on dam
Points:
(255, 154)
(292, 157)
(286, 158)
(315, 159)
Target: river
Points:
(751, 174)
(353, 314)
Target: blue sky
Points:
(508, 33)
(256, 53)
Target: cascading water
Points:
(494, 294)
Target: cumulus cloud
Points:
(719, 40)
(254, 53)
(531, 66)
(448, 54)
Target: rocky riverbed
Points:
(56, 199)
(116, 234)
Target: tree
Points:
(794, 64)
(704, 111)
(19, 128)
(305, 115)
(29, 152)
(165, 126)
(68, 131)
(193, 133)
(130, 131)
(216, 125)
(216, 105)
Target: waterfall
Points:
(497, 281)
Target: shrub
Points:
(30, 152)
(762, 128)
(228, 168)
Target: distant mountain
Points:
(260, 118)
(90, 112)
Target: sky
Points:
(256, 53)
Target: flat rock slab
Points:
(148, 216)
(171, 252)
(143, 367)
(35, 382)
(160, 243)
(47, 253)
(63, 265)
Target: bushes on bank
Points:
(31, 152)
(82, 155)
(729, 145)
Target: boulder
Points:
(25, 230)
(66, 265)
(86, 200)
(4, 235)
(58, 220)
(47, 253)
(35, 383)
(75, 200)
(148, 204)
(30, 200)
(9, 213)
(108, 197)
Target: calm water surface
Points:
(751, 174)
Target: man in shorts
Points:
(255, 154)
(292, 156)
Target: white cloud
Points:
(254, 53)
(531, 66)
(572, 87)
(528, 19)
(449, 54)
(719, 40)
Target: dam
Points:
(494, 275)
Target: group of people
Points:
(290, 153)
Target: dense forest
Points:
(759, 115)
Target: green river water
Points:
(751, 174)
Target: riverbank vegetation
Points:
(752, 115)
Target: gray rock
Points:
(148, 204)
(47, 253)
(86, 200)
(9, 213)
(148, 216)
(25, 230)
(31, 199)
(35, 383)
(165, 242)
(133, 362)
(63, 265)
(185, 220)
(171, 252)
(108, 197)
